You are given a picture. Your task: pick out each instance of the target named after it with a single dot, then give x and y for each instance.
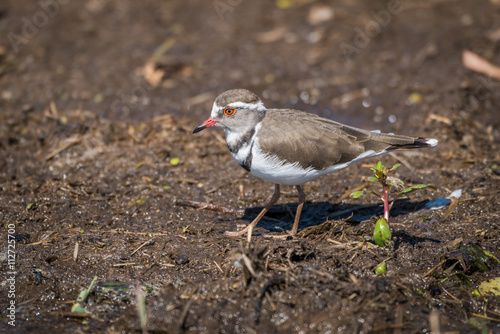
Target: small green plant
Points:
(382, 233)
(381, 268)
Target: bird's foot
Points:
(235, 234)
(286, 236)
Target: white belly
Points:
(271, 169)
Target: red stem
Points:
(386, 204)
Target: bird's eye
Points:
(229, 111)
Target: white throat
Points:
(233, 137)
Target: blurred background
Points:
(366, 63)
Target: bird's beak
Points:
(208, 123)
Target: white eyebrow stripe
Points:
(252, 106)
(215, 110)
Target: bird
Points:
(292, 147)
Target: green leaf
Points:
(395, 166)
(479, 323)
(491, 255)
(414, 188)
(77, 308)
(382, 233)
(357, 194)
(380, 175)
(373, 179)
(378, 166)
(490, 287)
(381, 268)
(85, 292)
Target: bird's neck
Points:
(242, 138)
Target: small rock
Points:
(319, 14)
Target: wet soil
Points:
(97, 163)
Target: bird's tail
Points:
(417, 143)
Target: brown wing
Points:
(317, 142)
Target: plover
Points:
(292, 147)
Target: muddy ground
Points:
(98, 101)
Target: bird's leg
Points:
(302, 199)
(251, 226)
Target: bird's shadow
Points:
(280, 217)
(401, 237)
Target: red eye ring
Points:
(228, 111)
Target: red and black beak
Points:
(208, 123)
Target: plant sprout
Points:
(382, 233)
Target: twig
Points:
(478, 64)
(485, 317)
(330, 277)
(53, 109)
(150, 234)
(218, 267)
(167, 265)
(150, 241)
(184, 180)
(271, 283)
(75, 253)
(248, 264)
(451, 208)
(223, 185)
(434, 322)
(208, 206)
(78, 315)
(402, 160)
(343, 245)
(185, 312)
(68, 142)
(452, 296)
(432, 270)
(124, 264)
(141, 308)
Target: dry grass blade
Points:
(185, 312)
(141, 308)
(75, 253)
(67, 143)
(208, 206)
(451, 208)
(478, 64)
(149, 242)
(433, 269)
